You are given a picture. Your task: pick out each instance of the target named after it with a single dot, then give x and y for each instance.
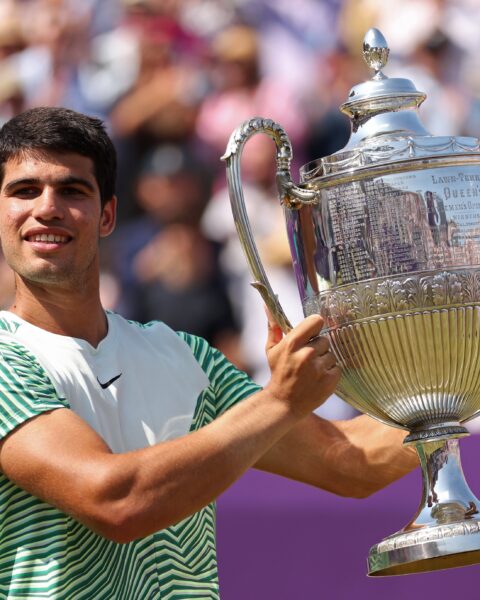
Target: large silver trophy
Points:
(385, 241)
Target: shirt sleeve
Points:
(228, 385)
(26, 390)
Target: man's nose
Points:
(48, 205)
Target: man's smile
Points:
(47, 237)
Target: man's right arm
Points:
(57, 457)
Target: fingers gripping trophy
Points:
(385, 243)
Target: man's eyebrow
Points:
(22, 181)
(70, 180)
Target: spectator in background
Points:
(329, 129)
(293, 35)
(167, 267)
(430, 66)
(12, 42)
(161, 104)
(57, 35)
(240, 92)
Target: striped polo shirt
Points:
(143, 384)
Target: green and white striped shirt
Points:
(47, 554)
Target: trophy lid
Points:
(385, 124)
(380, 93)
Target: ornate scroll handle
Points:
(290, 195)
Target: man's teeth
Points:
(48, 237)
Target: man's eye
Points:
(71, 191)
(26, 191)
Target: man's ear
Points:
(108, 217)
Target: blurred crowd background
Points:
(172, 79)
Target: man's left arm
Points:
(352, 458)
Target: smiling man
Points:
(116, 437)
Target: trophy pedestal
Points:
(445, 532)
(460, 550)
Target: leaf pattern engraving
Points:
(446, 289)
(391, 296)
(341, 308)
(470, 283)
(400, 294)
(417, 291)
(454, 289)
(316, 305)
(439, 289)
(367, 301)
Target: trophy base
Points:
(445, 532)
(429, 549)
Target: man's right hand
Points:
(304, 369)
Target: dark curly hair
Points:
(52, 129)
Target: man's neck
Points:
(76, 314)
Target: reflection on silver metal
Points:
(446, 529)
(382, 105)
(378, 152)
(385, 243)
(290, 195)
(375, 52)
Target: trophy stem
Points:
(446, 498)
(445, 531)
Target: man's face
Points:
(51, 218)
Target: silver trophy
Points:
(385, 242)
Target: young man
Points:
(115, 437)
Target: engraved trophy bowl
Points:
(385, 243)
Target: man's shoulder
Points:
(11, 344)
(158, 329)
(8, 323)
(164, 339)
(122, 322)
(149, 331)
(198, 345)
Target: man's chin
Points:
(51, 276)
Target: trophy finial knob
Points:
(375, 51)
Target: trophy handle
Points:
(290, 195)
